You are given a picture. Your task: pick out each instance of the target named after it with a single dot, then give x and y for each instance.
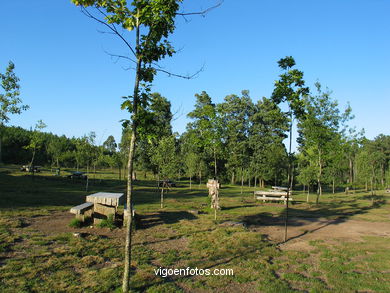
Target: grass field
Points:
(340, 245)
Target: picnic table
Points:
(98, 205)
(277, 193)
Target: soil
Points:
(300, 230)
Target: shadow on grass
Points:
(300, 217)
(151, 220)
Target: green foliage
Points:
(75, 223)
(164, 155)
(10, 103)
(107, 223)
(290, 87)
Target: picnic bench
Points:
(83, 211)
(99, 205)
(277, 193)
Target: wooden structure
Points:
(277, 193)
(99, 206)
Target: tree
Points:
(320, 131)
(36, 141)
(164, 155)
(10, 103)
(110, 145)
(290, 88)
(205, 129)
(235, 115)
(267, 131)
(151, 22)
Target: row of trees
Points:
(238, 141)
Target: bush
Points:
(75, 223)
(107, 223)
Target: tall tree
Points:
(320, 131)
(110, 145)
(290, 88)
(267, 131)
(205, 129)
(235, 112)
(151, 21)
(10, 102)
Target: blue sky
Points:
(75, 87)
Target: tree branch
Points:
(202, 13)
(111, 27)
(180, 75)
(119, 57)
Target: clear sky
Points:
(75, 87)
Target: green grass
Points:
(36, 261)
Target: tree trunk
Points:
(350, 172)
(232, 180)
(319, 187)
(333, 185)
(289, 178)
(242, 179)
(1, 158)
(255, 182)
(308, 193)
(190, 183)
(162, 197)
(127, 264)
(215, 163)
(200, 177)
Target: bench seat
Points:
(83, 211)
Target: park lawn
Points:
(38, 252)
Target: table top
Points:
(106, 198)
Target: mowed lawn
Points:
(340, 245)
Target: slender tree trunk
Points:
(162, 197)
(242, 179)
(215, 163)
(190, 183)
(127, 263)
(232, 180)
(289, 179)
(308, 193)
(249, 182)
(255, 182)
(1, 157)
(350, 171)
(319, 188)
(200, 177)
(86, 185)
(333, 185)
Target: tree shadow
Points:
(162, 217)
(320, 216)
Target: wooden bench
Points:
(272, 195)
(83, 211)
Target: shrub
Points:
(75, 223)
(107, 223)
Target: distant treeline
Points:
(237, 141)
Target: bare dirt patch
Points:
(302, 230)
